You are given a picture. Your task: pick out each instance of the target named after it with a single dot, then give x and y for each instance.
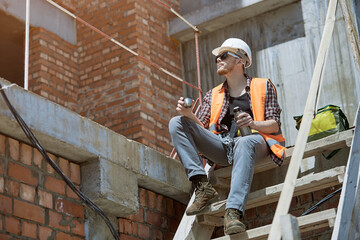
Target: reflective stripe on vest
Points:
(258, 88)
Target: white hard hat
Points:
(236, 46)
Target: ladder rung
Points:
(305, 184)
(306, 223)
(210, 220)
(330, 143)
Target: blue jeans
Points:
(189, 138)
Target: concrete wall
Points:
(112, 167)
(188, 6)
(43, 14)
(284, 45)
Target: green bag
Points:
(328, 120)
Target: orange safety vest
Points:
(258, 88)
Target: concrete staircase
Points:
(202, 226)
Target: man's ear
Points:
(241, 61)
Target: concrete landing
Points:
(221, 14)
(112, 166)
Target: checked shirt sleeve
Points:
(204, 113)
(272, 108)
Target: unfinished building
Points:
(102, 112)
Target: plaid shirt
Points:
(272, 109)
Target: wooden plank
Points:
(189, 228)
(289, 228)
(305, 184)
(222, 182)
(330, 143)
(306, 223)
(310, 108)
(347, 219)
(351, 32)
(210, 220)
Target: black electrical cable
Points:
(43, 152)
(321, 202)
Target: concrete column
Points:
(95, 226)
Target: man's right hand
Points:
(186, 112)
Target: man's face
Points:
(225, 63)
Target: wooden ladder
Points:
(201, 226)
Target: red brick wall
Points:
(104, 82)
(68, 4)
(53, 68)
(157, 219)
(34, 202)
(159, 92)
(118, 90)
(109, 85)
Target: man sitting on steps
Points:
(215, 134)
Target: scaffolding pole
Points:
(26, 64)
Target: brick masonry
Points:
(157, 218)
(116, 88)
(35, 203)
(105, 83)
(53, 71)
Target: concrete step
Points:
(305, 184)
(306, 223)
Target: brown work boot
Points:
(232, 223)
(204, 195)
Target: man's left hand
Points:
(244, 120)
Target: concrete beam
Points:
(221, 14)
(43, 14)
(112, 165)
(110, 186)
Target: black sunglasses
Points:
(224, 55)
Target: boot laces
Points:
(199, 190)
(234, 214)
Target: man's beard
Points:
(222, 71)
(225, 70)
